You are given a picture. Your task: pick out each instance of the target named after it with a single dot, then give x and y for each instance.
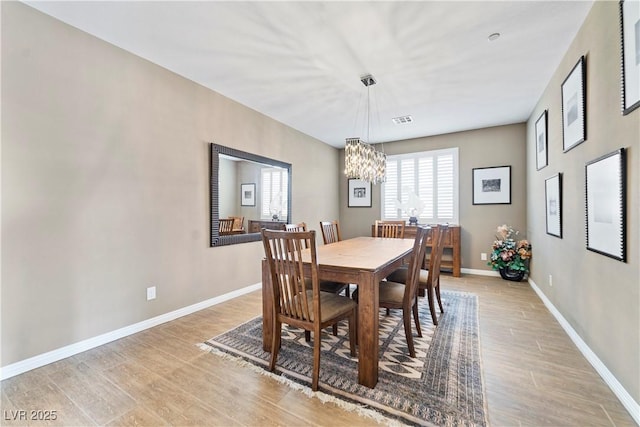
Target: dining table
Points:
(363, 261)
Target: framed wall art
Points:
(574, 129)
(542, 159)
(492, 186)
(630, 33)
(606, 205)
(359, 193)
(553, 202)
(247, 194)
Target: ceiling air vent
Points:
(402, 120)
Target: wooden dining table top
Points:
(361, 253)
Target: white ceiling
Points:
(301, 62)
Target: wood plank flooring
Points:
(534, 375)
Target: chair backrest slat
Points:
(226, 225)
(388, 228)
(437, 248)
(415, 264)
(330, 231)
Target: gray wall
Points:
(105, 186)
(495, 146)
(597, 295)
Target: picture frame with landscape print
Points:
(542, 158)
(630, 41)
(359, 193)
(247, 195)
(574, 130)
(553, 202)
(492, 185)
(606, 205)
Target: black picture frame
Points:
(542, 157)
(359, 193)
(248, 194)
(553, 204)
(605, 204)
(492, 185)
(630, 55)
(574, 107)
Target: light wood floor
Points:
(534, 375)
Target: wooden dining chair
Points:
(325, 285)
(388, 228)
(429, 280)
(330, 231)
(404, 295)
(293, 303)
(238, 223)
(226, 225)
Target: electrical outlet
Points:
(151, 293)
(550, 280)
(483, 256)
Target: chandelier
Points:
(361, 160)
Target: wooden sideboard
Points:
(256, 225)
(450, 257)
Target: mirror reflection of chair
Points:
(226, 226)
(387, 228)
(296, 305)
(429, 279)
(330, 231)
(238, 223)
(396, 295)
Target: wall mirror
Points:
(248, 192)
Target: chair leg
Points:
(316, 361)
(275, 344)
(437, 289)
(416, 317)
(347, 291)
(307, 336)
(432, 308)
(335, 329)
(407, 331)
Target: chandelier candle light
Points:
(362, 161)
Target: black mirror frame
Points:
(214, 161)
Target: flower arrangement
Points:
(507, 252)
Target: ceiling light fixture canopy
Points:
(362, 161)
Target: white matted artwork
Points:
(553, 199)
(247, 194)
(574, 130)
(492, 186)
(605, 205)
(359, 193)
(541, 141)
(630, 32)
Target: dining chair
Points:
(396, 295)
(388, 228)
(330, 231)
(226, 225)
(429, 280)
(293, 303)
(238, 223)
(325, 285)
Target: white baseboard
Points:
(625, 398)
(73, 349)
(480, 272)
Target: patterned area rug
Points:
(441, 386)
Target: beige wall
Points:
(495, 146)
(597, 295)
(105, 186)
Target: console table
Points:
(256, 225)
(451, 255)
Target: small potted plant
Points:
(510, 256)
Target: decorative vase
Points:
(513, 275)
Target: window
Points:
(274, 193)
(426, 182)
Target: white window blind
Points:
(431, 177)
(274, 193)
